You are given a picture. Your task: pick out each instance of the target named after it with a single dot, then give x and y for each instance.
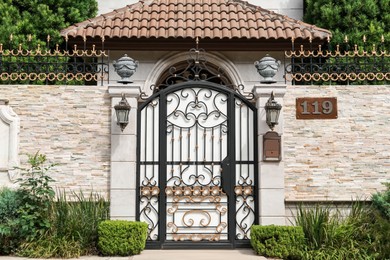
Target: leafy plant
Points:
(40, 19)
(73, 230)
(47, 247)
(381, 201)
(79, 219)
(10, 201)
(36, 194)
(355, 19)
(317, 223)
(362, 234)
(120, 237)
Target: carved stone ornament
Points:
(267, 67)
(125, 67)
(9, 143)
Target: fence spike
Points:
(29, 38)
(383, 38)
(346, 39)
(364, 39)
(11, 37)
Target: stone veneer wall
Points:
(71, 125)
(342, 159)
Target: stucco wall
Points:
(340, 159)
(71, 125)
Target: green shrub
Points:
(363, 234)
(73, 230)
(381, 201)
(123, 238)
(277, 241)
(10, 202)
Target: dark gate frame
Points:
(229, 165)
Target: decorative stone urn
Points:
(125, 67)
(267, 67)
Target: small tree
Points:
(355, 19)
(41, 18)
(36, 194)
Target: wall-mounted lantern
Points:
(272, 111)
(122, 111)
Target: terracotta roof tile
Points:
(214, 19)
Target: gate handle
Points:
(225, 172)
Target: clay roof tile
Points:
(188, 19)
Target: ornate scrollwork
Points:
(149, 214)
(196, 237)
(186, 213)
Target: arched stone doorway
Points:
(197, 161)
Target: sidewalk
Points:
(233, 254)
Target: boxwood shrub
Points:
(278, 241)
(121, 237)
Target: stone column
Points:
(123, 155)
(271, 174)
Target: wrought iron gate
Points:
(197, 166)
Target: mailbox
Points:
(272, 147)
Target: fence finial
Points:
(382, 39)
(364, 39)
(346, 39)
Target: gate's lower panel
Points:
(196, 214)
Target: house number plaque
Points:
(316, 108)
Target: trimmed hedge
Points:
(278, 241)
(121, 237)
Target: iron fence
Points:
(44, 65)
(343, 65)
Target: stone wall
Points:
(71, 125)
(340, 159)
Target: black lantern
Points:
(122, 112)
(272, 111)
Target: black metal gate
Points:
(197, 166)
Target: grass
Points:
(330, 235)
(74, 227)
